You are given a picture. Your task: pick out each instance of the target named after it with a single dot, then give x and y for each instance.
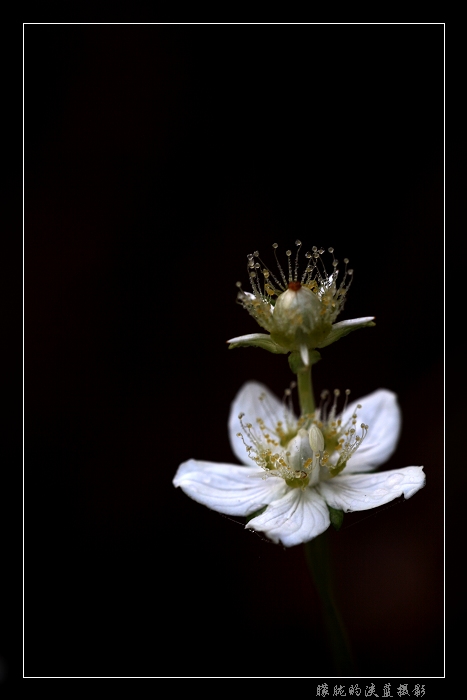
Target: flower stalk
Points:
(318, 560)
(305, 391)
(319, 565)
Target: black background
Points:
(156, 158)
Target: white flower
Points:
(298, 310)
(293, 469)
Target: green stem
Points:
(305, 391)
(318, 560)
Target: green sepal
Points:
(336, 516)
(258, 340)
(339, 330)
(296, 362)
(256, 513)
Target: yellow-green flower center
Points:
(306, 450)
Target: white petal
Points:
(228, 488)
(305, 355)
(260, 340)
(352, 322)
(381, 412)
(349, 492)
(300, 451)
(247, 401)
(316, 438)
(297, 517)
(339, 330)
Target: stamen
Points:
(347, 394)
(299, 244)
(315, 277)
(270, 442)
(289, 253)
(269, 445)
(287, 399)
(275, 247)
(341, 439)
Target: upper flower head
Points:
(298, 309)
(295, 469)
